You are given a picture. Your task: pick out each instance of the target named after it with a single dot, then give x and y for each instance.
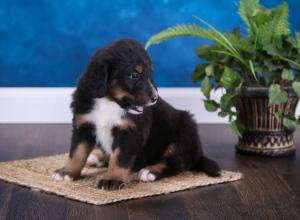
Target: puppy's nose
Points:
(154, 98)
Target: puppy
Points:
(117, 109)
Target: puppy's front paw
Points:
(62, 174)
(110, 184)
(145, 175)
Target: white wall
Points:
(52, 105)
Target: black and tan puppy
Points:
(117, 109)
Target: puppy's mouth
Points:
(136, 110)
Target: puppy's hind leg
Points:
(208, 166)
(189, 145)
(169, 166)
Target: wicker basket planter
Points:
(264, 134)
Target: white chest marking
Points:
(105, 115)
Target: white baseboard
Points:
(52, 105)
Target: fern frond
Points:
(270, 32)
(265, 34)
(180, 30)
(194, 31)
(247, 10)
(197, 31)
(280, 20)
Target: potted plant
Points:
(258, 73)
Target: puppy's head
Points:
(122, 72)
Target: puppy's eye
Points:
(134, 76)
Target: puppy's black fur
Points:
(152, 135)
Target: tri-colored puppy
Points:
(117, 109)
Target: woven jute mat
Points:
(36, 174)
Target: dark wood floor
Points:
(270, 188)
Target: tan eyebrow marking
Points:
(139, 68)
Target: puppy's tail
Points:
(208, 166)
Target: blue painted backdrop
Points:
(47, 43)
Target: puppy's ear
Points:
(94, 80)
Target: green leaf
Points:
(240, 43)
(223, 114)
(296, 87)
(227, 102)
(278, 114)
(209, 70)
(204, 51)
(199, 73)
(230, 79)
(261, 17)
(292, 62)
(211, 105)
(237, 127)
(291, 121)
(206, 87)
(272, 67)
(276, 95)
(247, 10)
(252, 69)
(287, 75)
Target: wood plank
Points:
(5, 197)
(262, 193)
(158, 207)
(213, 202)
(26, 204)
